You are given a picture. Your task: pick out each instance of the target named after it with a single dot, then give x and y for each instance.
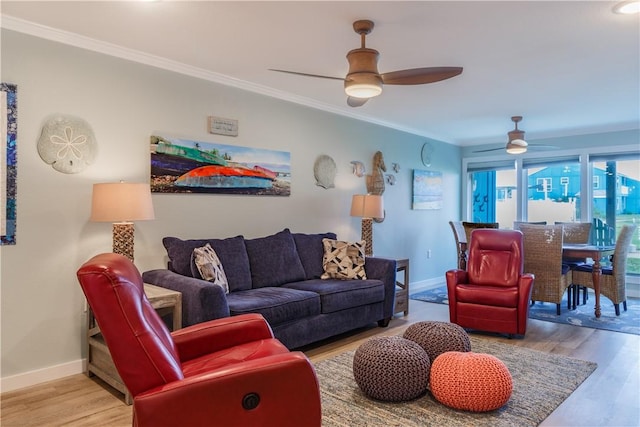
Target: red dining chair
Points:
(226, 372)
(493, 293)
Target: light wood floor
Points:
(609, 397)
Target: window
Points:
(596, 182)
(553, 189)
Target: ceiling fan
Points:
(363, 80)
(516, 143)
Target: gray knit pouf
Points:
(438, 337)
(391, 369)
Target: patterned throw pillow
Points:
(343, 260)
(210, 267)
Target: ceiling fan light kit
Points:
(517, 146)
(628, 7)
(363, 85)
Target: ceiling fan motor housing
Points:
(363, 79)
(516, 134)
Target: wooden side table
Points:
(402, 288)
(99, 361)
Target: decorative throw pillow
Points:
(343, 260)
(210, 267)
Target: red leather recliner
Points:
(493, 294)
(226, 372)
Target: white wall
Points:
(42, 307)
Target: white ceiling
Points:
(569, 67)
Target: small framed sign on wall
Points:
(222, 126)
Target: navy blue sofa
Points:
(278, 276)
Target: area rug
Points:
(628, 321)
(541, 382)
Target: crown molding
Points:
(72, 39)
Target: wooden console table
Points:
(402, 288)
(99, 361)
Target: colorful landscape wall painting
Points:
(427, 190)
(185, 166)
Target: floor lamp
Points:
(122, 203)
(367, 206)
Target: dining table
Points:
(595, 252)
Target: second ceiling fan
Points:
(516, 143)
(363, 81)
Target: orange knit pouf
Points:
(470, 381)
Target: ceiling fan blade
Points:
(419, 76)
(307, 74)
(490, 149)
(356, 102)
(536, 146)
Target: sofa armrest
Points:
(201, 301)
(385, 270)
(219, 334)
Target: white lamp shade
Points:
(367, 206)
(121, 202)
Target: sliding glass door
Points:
(616, 201)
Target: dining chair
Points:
(613, 282)
(470, 226)
(576, 233)
(602, 234)
(543, 258)
(461, 243)
(493, 294)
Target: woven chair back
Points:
(543, 257)
(517, 224)
(576, 232)
(470, 226)
(621, 254)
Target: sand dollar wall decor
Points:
(324, 170)
(67, 143)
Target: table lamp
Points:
(367, 206)
(122, 203)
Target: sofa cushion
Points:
(343, 260)
(277, 304)
(311, 251)
(337, 295)
(232, 253)
(274, 260)
(209, 266)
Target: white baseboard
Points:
(38, 376)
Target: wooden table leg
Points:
(596, 273)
